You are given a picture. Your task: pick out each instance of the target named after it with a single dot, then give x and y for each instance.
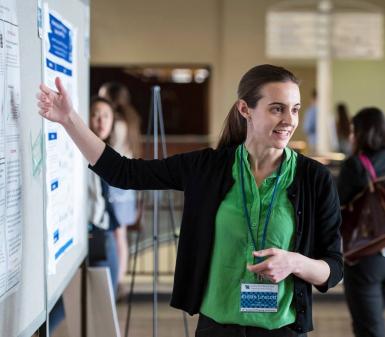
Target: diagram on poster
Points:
(10, 156)
(59, 61)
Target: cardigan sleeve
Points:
(139, 174)
(327, 228)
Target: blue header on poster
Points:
(60, 39)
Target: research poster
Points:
(10, 154)
(59, 60)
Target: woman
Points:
(271, 244)
(364, 282)
(125, 139)
(101, 215)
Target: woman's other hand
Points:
(55, 106)
(278, 265)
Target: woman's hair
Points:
(120, 98)
(249, 90)
(113, 91)
(343, 122)
(369, 130)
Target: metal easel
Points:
(156, 123)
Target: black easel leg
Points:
(130, 294)
(43, 332)
(83, 323)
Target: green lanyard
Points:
(269, 210)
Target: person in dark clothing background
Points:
(343, 129)
(364, 282)
(260, 223)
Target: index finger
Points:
(257, 268)
(266, 252)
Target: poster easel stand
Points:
(156, 123)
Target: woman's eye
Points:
(278, 109)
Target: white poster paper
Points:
(10, 155)
(291, 35)
(59, 61)
(305, 35)
(358, 36)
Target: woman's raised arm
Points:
(57, 107)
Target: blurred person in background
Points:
(343, 129)
(126, 134)
(101, 216)
(364, 282)
(125, 139)
(310, 121)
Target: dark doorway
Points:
(184, 92)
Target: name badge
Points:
(257, 297)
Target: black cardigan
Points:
(205, 177)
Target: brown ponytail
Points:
(234, 129)
(249, 89)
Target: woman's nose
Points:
(288, 118)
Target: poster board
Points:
(74, 14)
(24, 309)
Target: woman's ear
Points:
(243, 109)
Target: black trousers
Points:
(209, 328)
(364, 285)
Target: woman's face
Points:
(102, 118)
(274, 119)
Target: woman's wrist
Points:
(70, 120)
(313, 271)
(296, 262)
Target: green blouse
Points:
(233, 246)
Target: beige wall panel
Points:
(150, 31)
(359, 84)
(243, 47)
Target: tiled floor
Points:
(331, 319)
